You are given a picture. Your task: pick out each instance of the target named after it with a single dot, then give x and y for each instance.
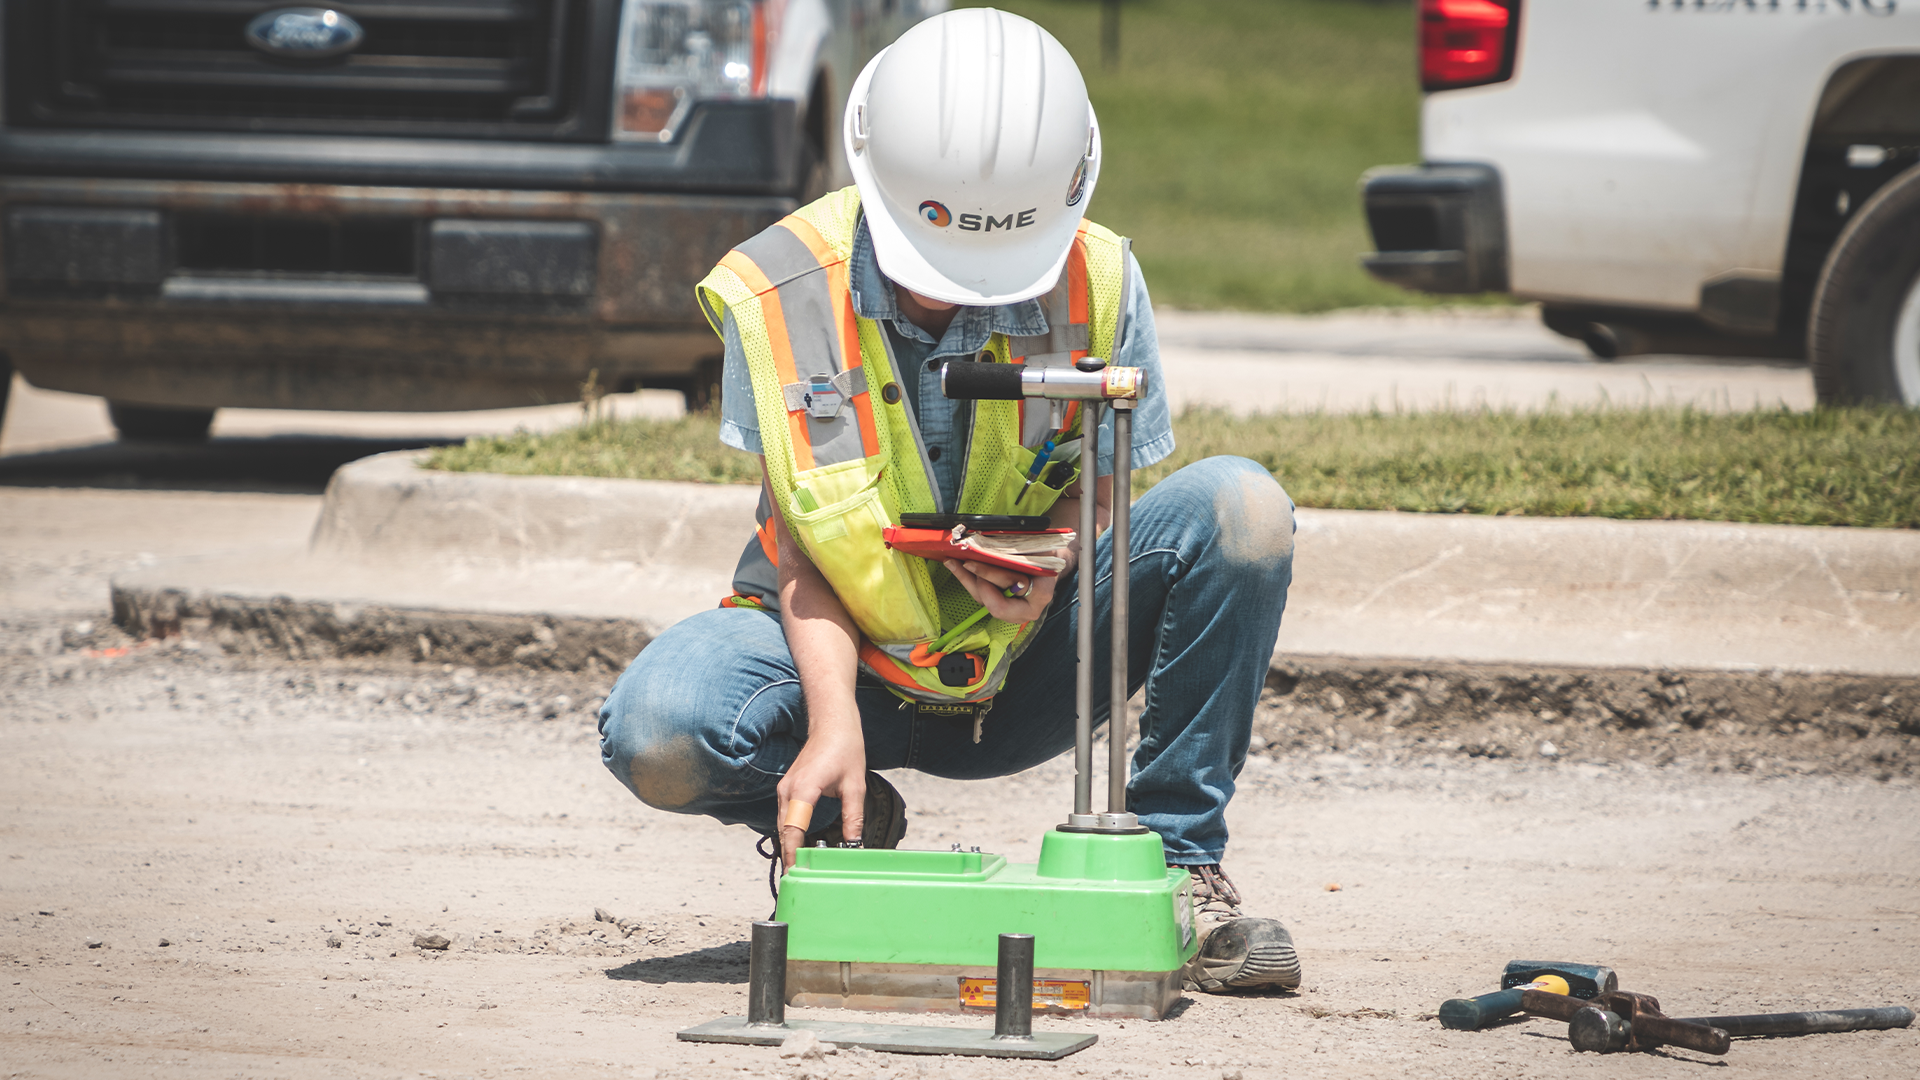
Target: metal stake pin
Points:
(767, 975)
(1013, 989)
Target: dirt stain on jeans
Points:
(669, 775)
(1255, 520)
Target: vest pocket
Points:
(842, 536)
(1037, 499)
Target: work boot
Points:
(886, 824)
(886, 820)
(1237, 951)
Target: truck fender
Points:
(804, 28)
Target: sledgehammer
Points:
(1621, 1021)
(1618, 1020)
(1575, 980)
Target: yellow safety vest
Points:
(843, 453)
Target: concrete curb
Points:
(469, 568)
(387, 508)
(570, 572)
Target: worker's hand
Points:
(991, 584)
(830, 764)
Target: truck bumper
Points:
(278, 295)
(1438, 228)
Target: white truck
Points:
(1719, 177)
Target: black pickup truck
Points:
(397, 204)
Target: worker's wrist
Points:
(831, 728)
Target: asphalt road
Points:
(1464, 358)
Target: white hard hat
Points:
(975, 151)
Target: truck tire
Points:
(159, 424)
(1863, 340)
(6, 387)
(812, 164)
(701, 388)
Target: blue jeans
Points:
(710, 715)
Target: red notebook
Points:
(1010, 550)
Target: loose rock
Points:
(803, 1045)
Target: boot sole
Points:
(884, 804)
(885, 807)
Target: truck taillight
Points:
(1467, 42)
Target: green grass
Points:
(1858, 467)
(1235, 134)
(687, 449)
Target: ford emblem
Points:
(305, 33)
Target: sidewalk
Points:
(555, 571)
(572, 571)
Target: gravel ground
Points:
(234, 866)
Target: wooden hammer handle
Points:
(1552, 1006)
(1649, 1031)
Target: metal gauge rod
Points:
(1087, 577)
(1117, 720)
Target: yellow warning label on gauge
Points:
(1123, 382)
(1047, 994)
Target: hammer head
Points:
(1583, 980)
(1598, 1031)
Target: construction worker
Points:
(974, 151)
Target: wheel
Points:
(1611, 341)
(702, 389)
(812, 164)
(701, 386)
(158, 423)
(812, 170)
(1863, 340)
(6, 387)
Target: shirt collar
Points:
(873, 298)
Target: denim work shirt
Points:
(943, 422)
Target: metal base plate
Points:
(895, 1038)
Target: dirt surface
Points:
(236, 866)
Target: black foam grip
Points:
(971, 380)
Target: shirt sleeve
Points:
(739, 420)
(1140, 347)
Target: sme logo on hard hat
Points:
(936, 214)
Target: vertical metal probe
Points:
(1083, 669)
(1117, 720)
(767, 975)
(1013, 989)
